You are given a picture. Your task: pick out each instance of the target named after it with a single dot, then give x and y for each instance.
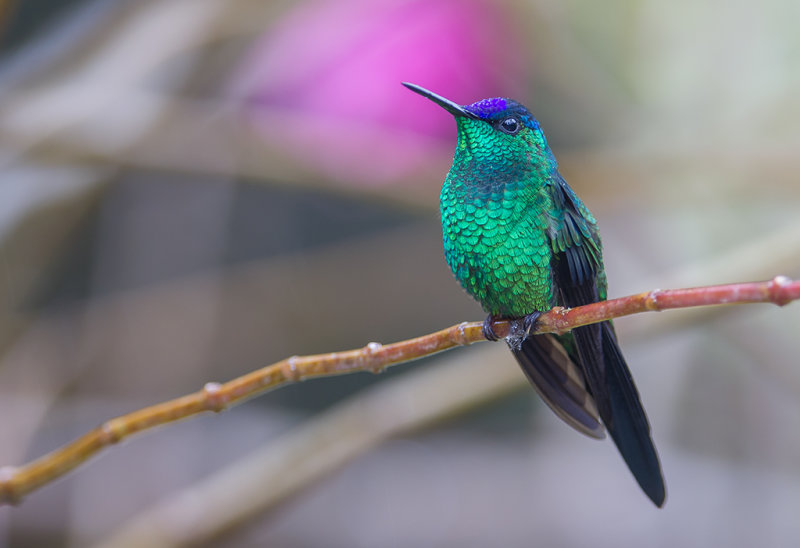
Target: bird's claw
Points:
(521, 329)
(488, 330)
(529, 322)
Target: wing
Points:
(577, 259)
(578, 280)
(560, 383)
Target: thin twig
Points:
(16, 482)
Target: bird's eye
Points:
(509, 125)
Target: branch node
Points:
(7, 494)
(376, 366)
(290, 370)
(559, 318)
(461, 338)
(776, 290)
(108, 433)
(651, 301)
(212, 397)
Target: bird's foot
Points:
(529, 322)
(521, 328)
(488, 330)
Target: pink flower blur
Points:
(325, 82)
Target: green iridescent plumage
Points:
(495, 232)
(520, 241)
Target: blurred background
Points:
(192, 189)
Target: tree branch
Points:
(16, 482)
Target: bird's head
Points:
(496, 129)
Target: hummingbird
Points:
(520, 241)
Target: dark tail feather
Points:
(610, 381)
(559, 382)
(630, 429)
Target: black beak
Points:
(447, 104)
